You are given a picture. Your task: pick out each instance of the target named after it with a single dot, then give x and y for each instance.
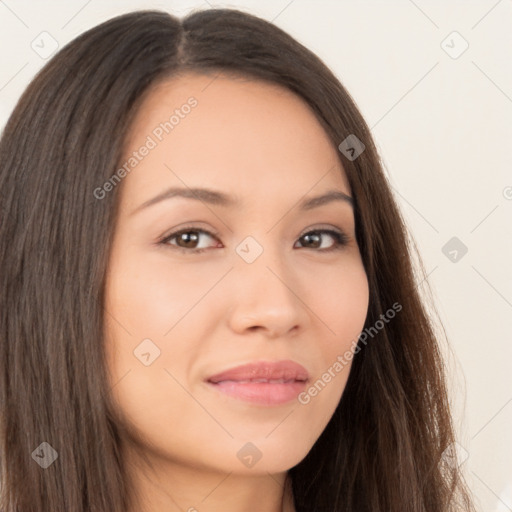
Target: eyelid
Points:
(322, 227)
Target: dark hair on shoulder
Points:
(382, 449)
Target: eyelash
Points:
(341, 239)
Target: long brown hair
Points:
(383, 448)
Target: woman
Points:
(208, 301)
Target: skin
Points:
(211, 311)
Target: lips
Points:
(263, 383)
(272, 372)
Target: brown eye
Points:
(187, 239)
(313, 239)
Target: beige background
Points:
(442, 120)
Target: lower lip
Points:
(264, 393)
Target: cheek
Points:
(341, 298)
(144, 301)
(149, 297)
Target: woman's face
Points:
(268, 285)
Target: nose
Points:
(267, 299)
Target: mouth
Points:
(263, 383)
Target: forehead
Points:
(242, 135)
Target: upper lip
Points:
(263, 371)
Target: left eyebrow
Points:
(327, 197)
(218, 198)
